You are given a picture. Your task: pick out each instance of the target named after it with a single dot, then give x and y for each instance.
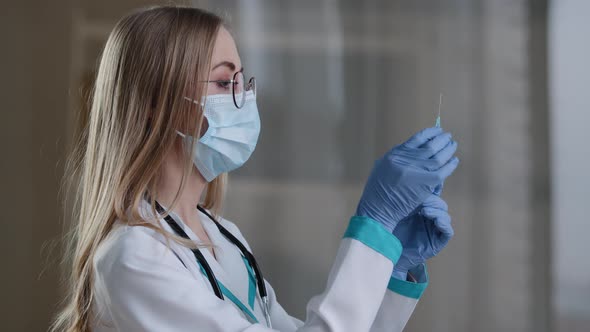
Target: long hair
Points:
(151, 60)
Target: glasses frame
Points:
(251, 85)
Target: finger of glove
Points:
(422, 137)
(435, 145)
(435, 202)
(441, 174)
(442, 157)
(439, 189)
(441, 220)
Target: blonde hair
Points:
(151, 60)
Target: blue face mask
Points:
(231, 137)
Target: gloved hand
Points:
(423, 235)
(406, 175)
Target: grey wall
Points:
(570, 115)
(35, 65)
(16, 167)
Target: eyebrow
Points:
(228, 64)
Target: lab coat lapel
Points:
(229, 268)
(217, 269)
(229, 261)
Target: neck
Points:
(171, 175)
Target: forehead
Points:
(225, 49)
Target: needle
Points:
(437, 124)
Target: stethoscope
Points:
(207, 269)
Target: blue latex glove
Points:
(423, 235)
(406, 175)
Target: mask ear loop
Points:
(202, 103)
(192, 101)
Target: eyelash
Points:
(224, 84)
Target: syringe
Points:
(437, 123)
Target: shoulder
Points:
(136, 270)
(131, 248)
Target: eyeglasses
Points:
(236, 87)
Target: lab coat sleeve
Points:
(399, 301)
(147, 288)
(357, 287)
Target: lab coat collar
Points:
(229, 258)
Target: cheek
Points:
(204, 126)
(192, 122)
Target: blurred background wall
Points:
(570, 112)
(340, 82)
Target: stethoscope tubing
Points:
(208, 271)
(198, 255)
(249, 257)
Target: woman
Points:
(169, 75)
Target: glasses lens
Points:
(238, 90)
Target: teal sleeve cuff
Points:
(375, 236)
(408, 288)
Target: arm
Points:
(394, 312)
(421, 224)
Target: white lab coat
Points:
(142, 285)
